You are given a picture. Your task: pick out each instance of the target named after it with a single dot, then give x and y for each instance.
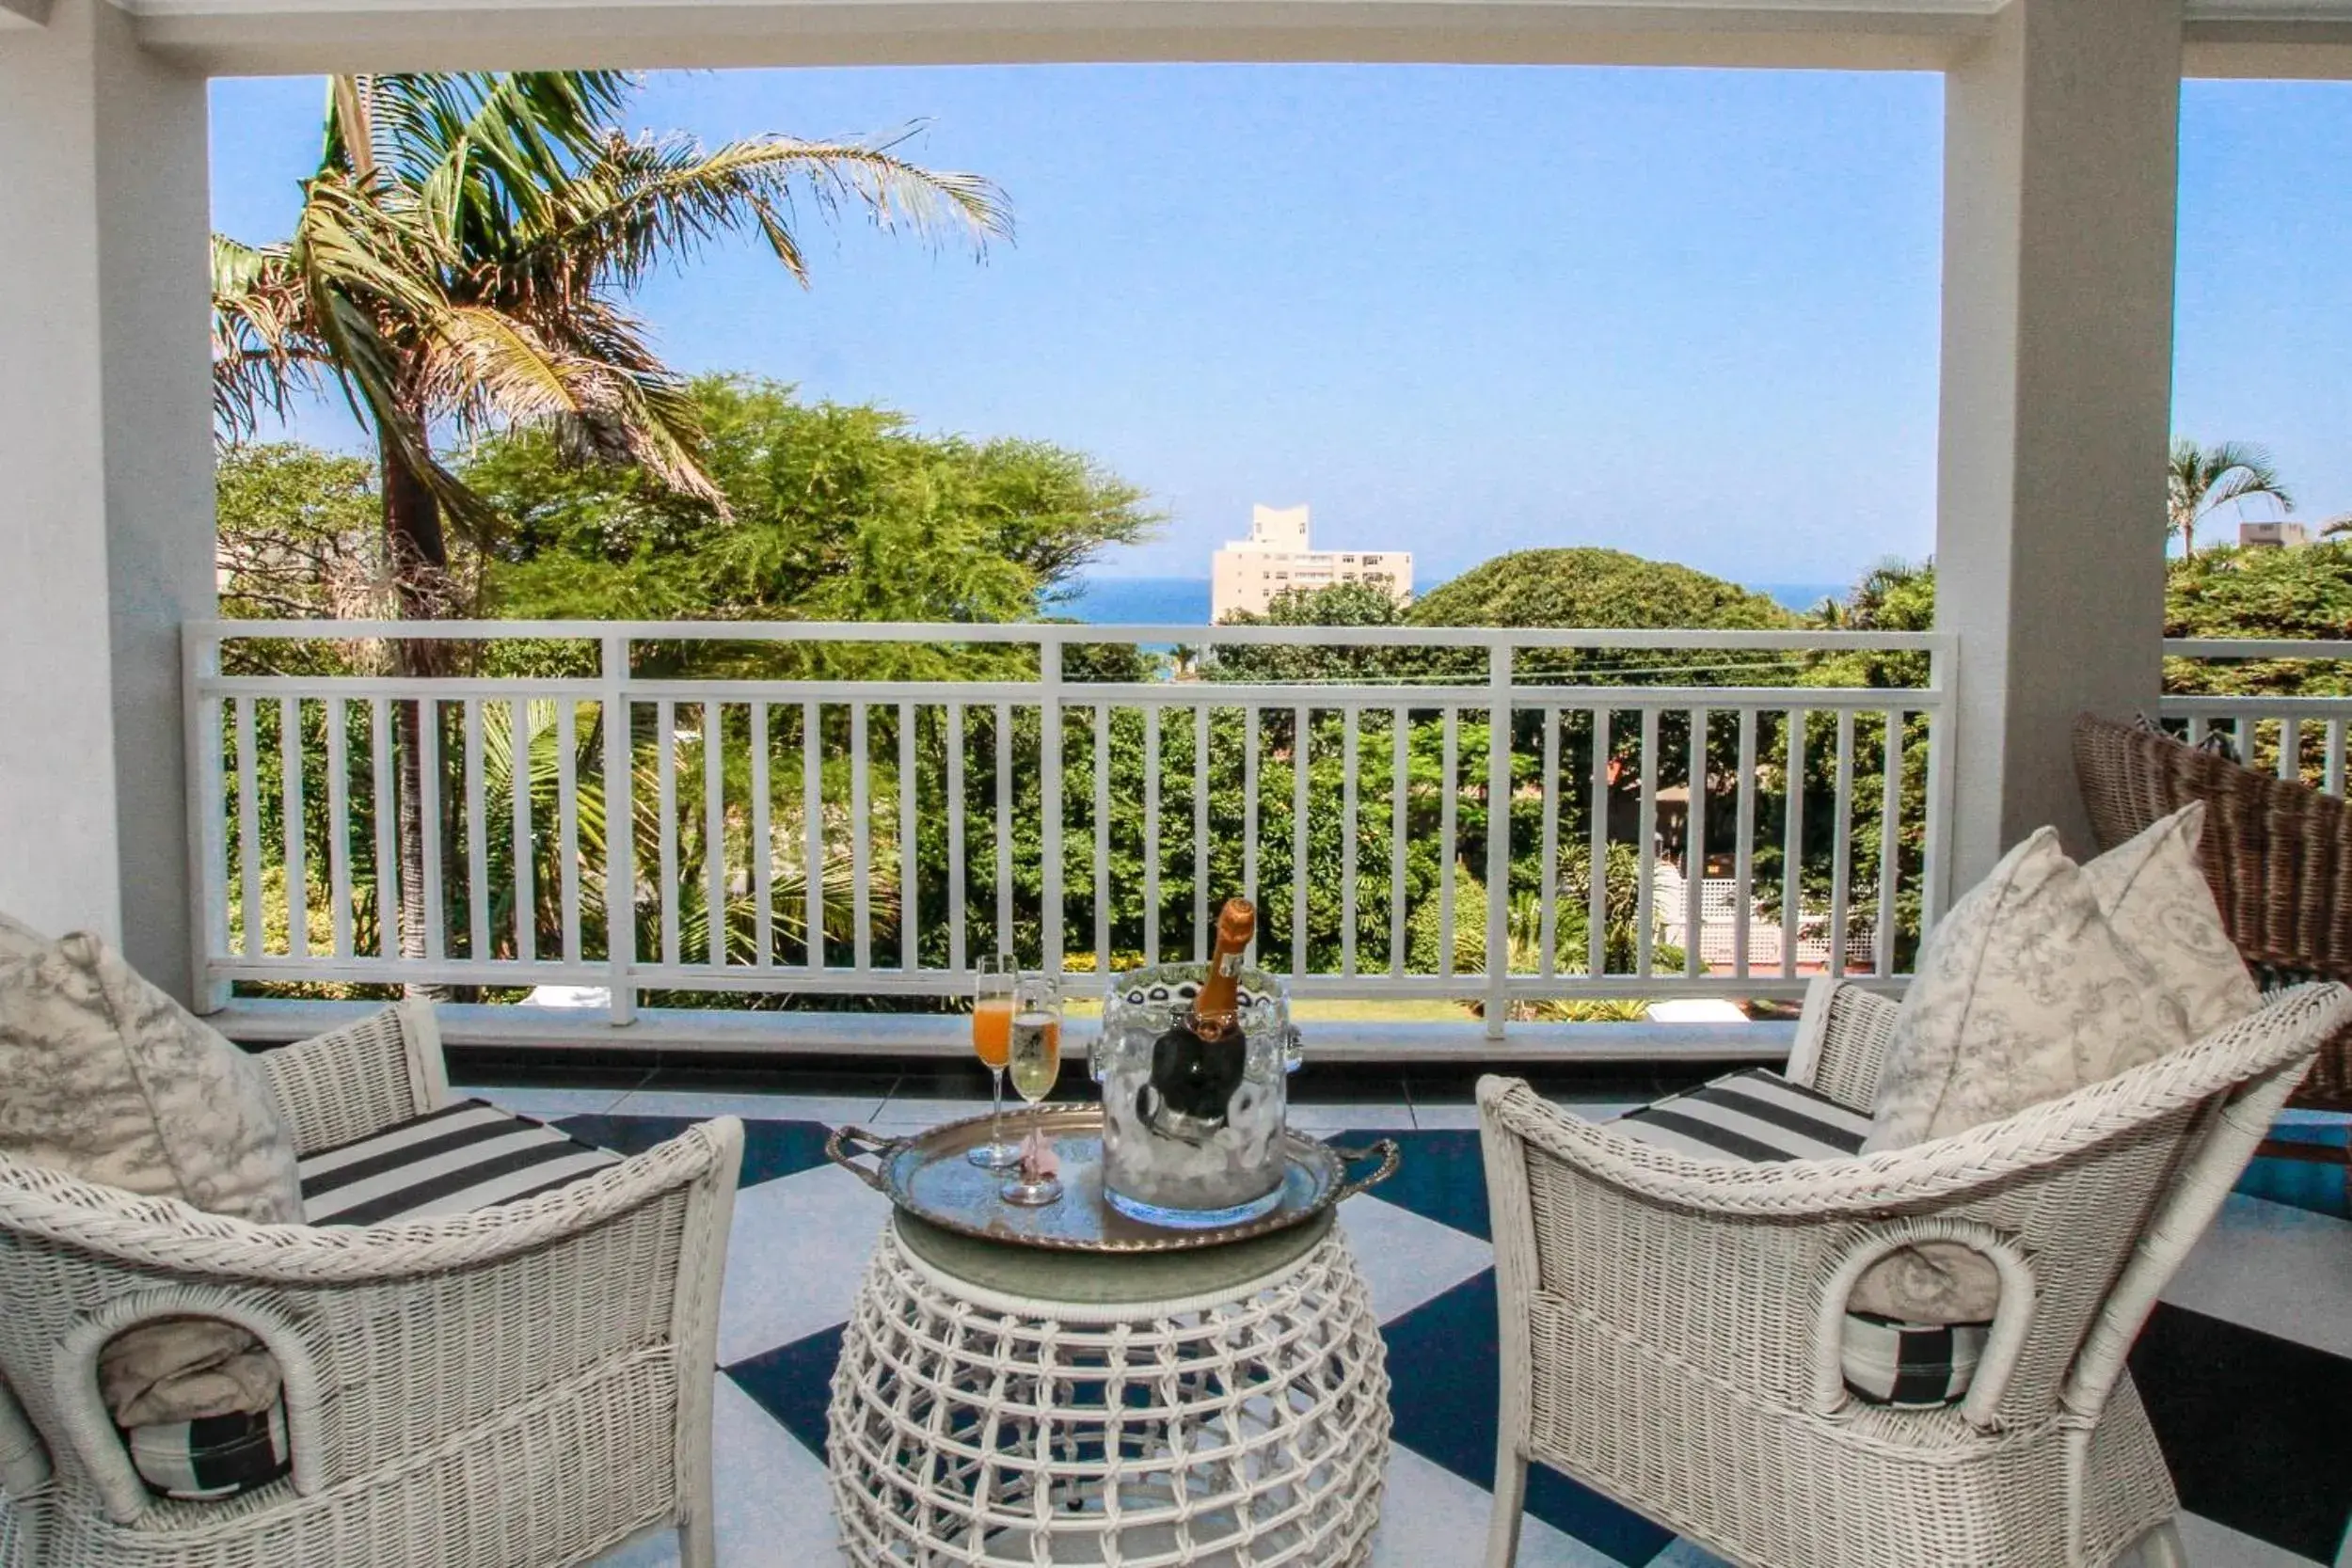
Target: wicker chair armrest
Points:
(164, 1233)
(356, 1081)
(1841, 1042)
(1752, 1304)
(2283, 1037)
(396, 1341)
(1919, 1179)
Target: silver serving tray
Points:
(928, 1176)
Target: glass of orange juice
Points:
(991, 1041)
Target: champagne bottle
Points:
(1198, 1063)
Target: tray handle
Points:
(843, 1146)
(1385, 1150)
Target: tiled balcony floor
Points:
(2247, 1367)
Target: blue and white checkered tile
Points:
(2247, 1361)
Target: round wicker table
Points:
(1004, 1407)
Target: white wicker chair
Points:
(1671, 1328)
(529, 1384)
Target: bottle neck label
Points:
(1228, 963)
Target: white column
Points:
(105, 478)
(2061, 153)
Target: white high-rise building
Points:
(1248, 573)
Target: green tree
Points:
(2229, 591)
(2200, 479)
(297, 534)
(834, 512)
(1601, 588)
(1343, 603)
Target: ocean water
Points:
(1185, 601)
(1141, 602)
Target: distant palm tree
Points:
(458, 264)
(2200, 479)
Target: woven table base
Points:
(1246, 1425)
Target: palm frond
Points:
(263, 350)
(489, 369)
(659, 197)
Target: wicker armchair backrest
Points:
(2278, 853)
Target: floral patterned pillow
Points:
(2155, 894)
(109, 1080)
(2024, 993)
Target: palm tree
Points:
(457, 267)
(2199, 479)
(543, 766)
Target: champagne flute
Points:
(1034, 1052)
(991, 1027)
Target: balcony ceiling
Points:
(276, 35)
(2238, 37)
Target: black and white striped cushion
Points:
(1756, 1116)
(453, 1160)
(1751, 1116)
(1889, 1362)
(213, 1457)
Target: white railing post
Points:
(1049, 805)
(1695, 847)
(1302, 722)
(957, 936)
(1842, 844)
(860, 846)
(1890, 842)
(1743, 862)
(910, 846)
(763, 844)
(294, 861)
(1102, 813)
(384, 792)
(1151, 834)
(1935, 887)
(1252, 721)
(1400, 810)
(620, 836)
(1497, 838)
(1351, 721)
(208, 847)
(1203, 727)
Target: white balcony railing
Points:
(858, 809)
(2298, 737)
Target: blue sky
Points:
(1458, 309)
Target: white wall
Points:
(105, 478)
